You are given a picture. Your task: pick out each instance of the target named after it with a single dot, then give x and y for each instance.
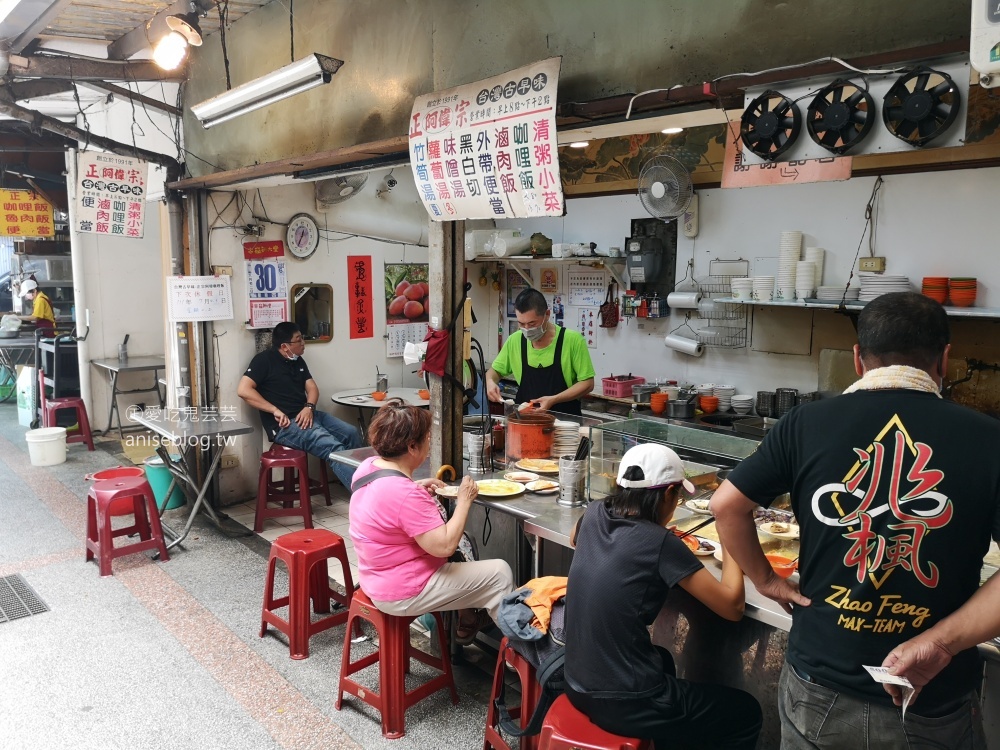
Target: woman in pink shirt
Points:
(401, 537)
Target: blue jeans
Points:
(327, 435)
(814, 716)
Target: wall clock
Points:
(302, 236)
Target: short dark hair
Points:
(902, 328)
(533, 300)
(636, 502)
(396, 427)
(283, 333)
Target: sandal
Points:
(465, 633)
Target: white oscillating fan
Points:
(665, 187)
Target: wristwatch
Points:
(311, 406)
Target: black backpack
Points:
(550, 674)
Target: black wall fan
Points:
(840, 116)
(921, 106)
(770, 125)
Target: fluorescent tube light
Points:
(302, 75)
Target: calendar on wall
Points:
(396, 337)
(586, 288)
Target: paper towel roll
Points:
(683, 300)
(684, 345)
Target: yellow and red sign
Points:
(359, 296)
(25, 214)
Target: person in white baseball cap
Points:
(42, 314)
(627, 560)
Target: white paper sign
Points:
(111, 192)
(198, 298)
(267, 313)
(488, 149)
(586, 288)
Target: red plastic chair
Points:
(393, 657)
(565, 728)
(268, 491)
(530, 690)
(51, 406)
(290, 482)
(106, 499)
(305, 554)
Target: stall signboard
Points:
(25, 214)
(267, 283)
(199, 298)
(359, 296)
(738, 172)
(488, 150)
(110, 194)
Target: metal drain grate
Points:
(18, 599)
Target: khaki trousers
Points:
(465, 585)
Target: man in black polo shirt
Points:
(897, 493)
(279, 385)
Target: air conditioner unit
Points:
(984, 42)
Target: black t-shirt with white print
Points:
(896, 493)
(281, 381)
(621, 573)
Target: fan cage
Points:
(667, 170)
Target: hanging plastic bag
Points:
(608, 311)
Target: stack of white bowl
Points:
(789, 253)
(706, 389)
(805, 277)
(816, 256)
(742, 403)
(763, 288)
(742, 288)
(725, 395)
(566, 438)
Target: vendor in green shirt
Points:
(551, 364)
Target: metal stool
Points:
(267, 491)
(565, 728)
(108, 498)
(529, 699)
(393, 657)
(305, 554)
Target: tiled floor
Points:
(331, 517)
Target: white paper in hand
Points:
(883, 676)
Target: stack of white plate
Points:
(816, 255)
(836, 293)
(763, 288)
(566, 438)
(789, 253)
(876, 284)
(742, 288)
(742, 403)
(706, 389)
(805, 277)
(725, 396)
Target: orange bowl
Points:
(378, 395)
(783, 566)
(424, 394)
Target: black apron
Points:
(537, 382)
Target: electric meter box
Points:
(984, 42)
(651, 256)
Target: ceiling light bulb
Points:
(170, 51)
(579, 144)
(672, 131)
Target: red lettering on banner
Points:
(359, 292)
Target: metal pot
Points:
(530, 435)
(679, 409)
(640, 393)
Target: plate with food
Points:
(539, 465)
(499, 488)
(543, 486)
(520, 476)
(699, 505)
(780, 529)
(705, 548)
(449, 490)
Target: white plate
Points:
(692, 506)
(706, 552)
(449, 490)
(718, 553)
(520, 476)
(792, 533)
(548, 487)
(499, 488)
(539, 465)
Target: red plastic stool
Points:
(530, 690)
(290, 483)
(105, 500)
(268, 492)
(393, 657)
(565, 728)
(305, 554)
(52, 405)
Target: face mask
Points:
(534, 334)
(292, 357)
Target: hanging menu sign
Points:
(488, 150)
(25, 214)
(110, 193)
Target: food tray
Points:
(699, 473)
(620, 388)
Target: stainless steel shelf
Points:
(955, 312)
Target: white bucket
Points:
(47, 446)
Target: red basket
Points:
(620, 388)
